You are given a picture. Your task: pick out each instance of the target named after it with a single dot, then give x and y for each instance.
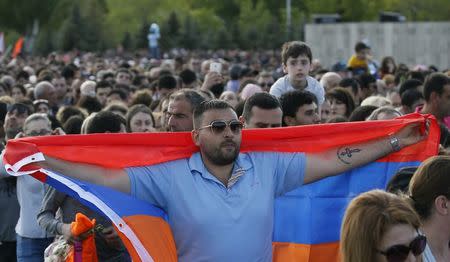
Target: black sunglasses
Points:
(218, 126)
(400, 253)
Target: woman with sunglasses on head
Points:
(380, 226)
(429, 191)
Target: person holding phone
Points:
(214, 80)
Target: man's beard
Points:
(12, 132)
(221, 158)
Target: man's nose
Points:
(227, 132)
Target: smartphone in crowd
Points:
(215, 67)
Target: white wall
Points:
(410, 43)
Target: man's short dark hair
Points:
(361, 113)
(408, 85)
(350, 82)
(103, 84)
(188, 76)
(235, 72)
(293, 100)
(417, 75)
(294, 49)
(261, 100)
(205, 106)
(126, 71)
(23, 74)
(191, 96)
(366, 79)
(73, 125)
(120, 92)
(361, 46)
(65, 112)
(90, 104)
(411, 96)
(105, 121)
(139, 81)
(167, 82)
(435, 83)
(68, 72)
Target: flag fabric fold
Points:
(307, 220)
(18, 47)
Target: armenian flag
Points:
(307, 220)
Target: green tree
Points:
(126, 41)
(190, 35)
(141, 36)
(19, 15)
(72, 30)
(253, 18)
(171, 30)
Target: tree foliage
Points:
(100, 24)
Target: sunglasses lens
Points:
(418, 245)
(218, 126)
(236, 127)
(397, 253)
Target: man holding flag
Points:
(219, 201)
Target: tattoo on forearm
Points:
(345, 154)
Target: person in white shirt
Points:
(297, 57)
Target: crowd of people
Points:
(89, 93)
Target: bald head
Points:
(330, 80)
(45, 90)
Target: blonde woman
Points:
(380, 226)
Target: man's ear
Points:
(194, 134)
(242, 119)
(284, 68)
(289, 121)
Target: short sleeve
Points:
(290, 172)
(320, 94)
(276, 90)
(151, 183)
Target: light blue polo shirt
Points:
(211, 222)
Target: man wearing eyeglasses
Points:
(219, 201)
(265, 80)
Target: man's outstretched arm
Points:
(114, 178)
(344, 158)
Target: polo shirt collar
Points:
(242, 163)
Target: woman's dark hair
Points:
(361, 113)
(344, 96)
(384, 65)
